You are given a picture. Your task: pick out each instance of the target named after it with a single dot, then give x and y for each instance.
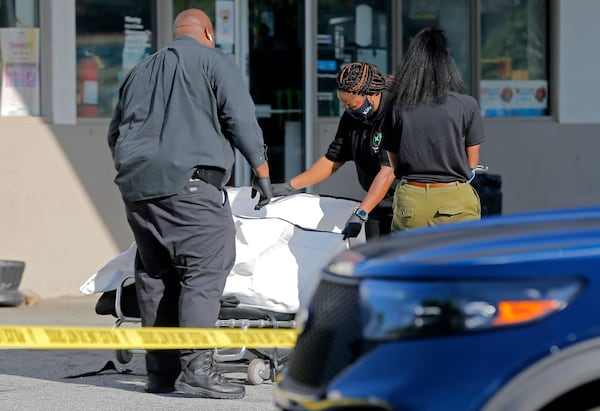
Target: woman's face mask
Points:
(364, 112)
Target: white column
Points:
(578, 61)
(164, 19)
(61, 57)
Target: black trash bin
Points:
(11, 273)
(489, 188)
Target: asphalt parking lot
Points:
(39, 379)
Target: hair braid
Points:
(361, 78)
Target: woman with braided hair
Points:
(362, 91)
(432, 136)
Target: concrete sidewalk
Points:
(37, 379)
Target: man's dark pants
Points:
(186, 249)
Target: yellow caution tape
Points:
(149, 338)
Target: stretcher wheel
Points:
(257, 371)
(124, 356)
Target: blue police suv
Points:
(497, 314)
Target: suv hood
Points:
(509, 245)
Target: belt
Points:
(213, 176)
(429, 185)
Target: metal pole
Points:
(310, 83)
(242, 168)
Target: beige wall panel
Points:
(48, 216)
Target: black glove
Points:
(263, 186)
(353, 227)
(282, 189)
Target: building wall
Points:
(59, 210)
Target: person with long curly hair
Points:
(432, 134)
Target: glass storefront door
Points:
(112, 37)
(276, 81)
(265, 38)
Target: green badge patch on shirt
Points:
(376, 142)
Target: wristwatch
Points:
(362, 214)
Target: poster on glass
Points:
(20, 89)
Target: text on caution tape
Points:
(149, 338)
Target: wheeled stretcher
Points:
(280, 251)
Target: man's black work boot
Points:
(199, 377)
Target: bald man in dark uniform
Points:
(181, 112)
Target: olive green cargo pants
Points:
(428, 206)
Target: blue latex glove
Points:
(473, 172)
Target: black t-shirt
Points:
(431, 140)
(360, 141)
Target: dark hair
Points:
(361, 78)
(428, 71)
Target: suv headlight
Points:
(410, 309)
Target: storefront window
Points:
(452, 16)
(112, 36)
(19, 58)
(349, 31)
(514, 74)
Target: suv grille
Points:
(332, 339)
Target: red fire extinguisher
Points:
(87, 83)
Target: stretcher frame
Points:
(259, 364)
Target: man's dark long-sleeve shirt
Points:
(182, 107)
